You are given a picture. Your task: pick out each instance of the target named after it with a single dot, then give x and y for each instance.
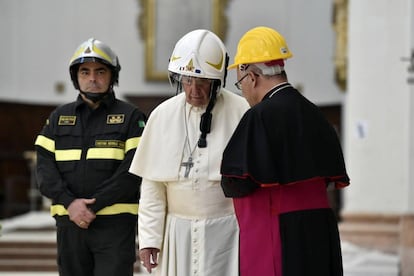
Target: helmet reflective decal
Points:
(217, 65)
(174, 58)
(190, 67)
(101, 53)
(77, 54)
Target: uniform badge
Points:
(114, 119)
(67, 120)
(110, 144)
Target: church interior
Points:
(354, 59)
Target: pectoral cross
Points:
(188, 165)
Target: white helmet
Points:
(201, 54)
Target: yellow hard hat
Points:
(260, 44)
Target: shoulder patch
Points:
(67, 120)
(113, 119)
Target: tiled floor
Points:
(44, 274)
(357, 261)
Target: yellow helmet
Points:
(260, 44)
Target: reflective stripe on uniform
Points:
(68, 155)
(132, 143)
(93, 153)
(116, 209)
(105, 153)
(46, 143)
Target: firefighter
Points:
(83, 155)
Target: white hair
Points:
(265, 68)
(269, 70)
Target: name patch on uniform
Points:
(109, 144)
(114, 119)
(67, 120)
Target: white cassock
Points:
(188, 218)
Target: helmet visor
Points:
(188, 80)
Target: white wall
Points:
(379, 108)
(39, 36)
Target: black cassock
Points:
(283, 139)
(286, 140)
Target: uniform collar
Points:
(276, 89)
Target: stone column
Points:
(379, 129)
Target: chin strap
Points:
(95, 97)
(205, 123)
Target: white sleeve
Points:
(151, 214)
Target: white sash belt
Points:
(210, 203)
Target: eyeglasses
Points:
(242, 67)
(238, 83)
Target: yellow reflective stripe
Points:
(68, 155)
(58, 210)
(45, 143)
(131, 208)
(132, 143)
(77, 53)
(105, 153)
(93, 153)
(102, 54)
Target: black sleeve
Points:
(238, 187)
(48, 177)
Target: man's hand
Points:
(79, 212)
(149, 258)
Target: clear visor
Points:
(188, 80)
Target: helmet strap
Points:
(96, 97)
(206, 117)
(225, 70)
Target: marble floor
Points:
(357, 261)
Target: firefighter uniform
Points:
(86, 153)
